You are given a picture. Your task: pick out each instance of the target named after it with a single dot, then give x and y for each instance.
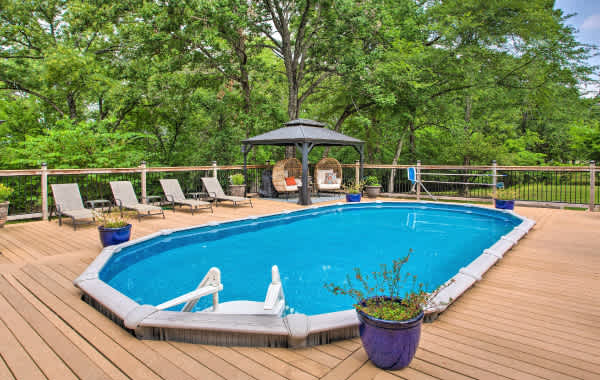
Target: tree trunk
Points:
(72, 103)
(395, 162)
(290, 150)
(411, 140)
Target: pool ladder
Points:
(211, 284)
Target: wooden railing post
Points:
(214, 165)
(44, 191)
(143, 175)
(418, 175)
(592, 203)
(357, 172)
(494, 179)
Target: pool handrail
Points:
(210, 284)
(275, 291)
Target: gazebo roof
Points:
(302, 130)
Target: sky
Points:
(586, 21)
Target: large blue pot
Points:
(353, 197)
(504, 205)
(390, 344)
(113, 236)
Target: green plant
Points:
(506, 194)
(111, 220)
(381, 294)
(353, 188)
(5, 192)
(372, 181)
(237, 179)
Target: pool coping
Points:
(294, 330)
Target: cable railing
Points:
(564, 186)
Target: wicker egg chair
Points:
(327, 164)
(292, 167)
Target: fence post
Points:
(592, 185)
(494, 179)
(356, 172)
(418, 174)
(44, 191)
(214, 165)
(143, 175)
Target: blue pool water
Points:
(311, 248)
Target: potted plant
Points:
(353, 191)
(505, 199)
(237, 186)
(113, 229)
(373, 186)
(5, 192)
(390, 324)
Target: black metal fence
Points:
(561, 185)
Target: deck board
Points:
(536, 314)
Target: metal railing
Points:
(558, 185)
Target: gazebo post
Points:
(361, 150)
(304, 194)
(246, 150)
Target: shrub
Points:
(372, 181)
(5, 192)
(237, 179)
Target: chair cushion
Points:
(329, 186)
(298, 182)
(291, 188)
(321, 174)
(330, 178)
(290, 181)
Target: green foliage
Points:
(78, 145)
(380, 294)
(506, 194)
(182, 83)
(353, 187)
(237, 179)
(5, 192)
(372, 181)
(112, 220)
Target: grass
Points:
(540, 192)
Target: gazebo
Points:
(304, 134)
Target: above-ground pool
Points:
(310, 248)
(451, 244)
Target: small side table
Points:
(150, 199)
(103, 203)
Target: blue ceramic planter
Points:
(390, 344)
(353, 197)
(504, 205)
(113, 236)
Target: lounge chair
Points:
(125, 198)
(282, 171)
(68, 203)
(328, 173)
(214, 190)
(175, 196)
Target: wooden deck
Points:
(535, 315)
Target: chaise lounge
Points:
(125, 198)
(67, 199)
(175, 196)
(214, 190)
